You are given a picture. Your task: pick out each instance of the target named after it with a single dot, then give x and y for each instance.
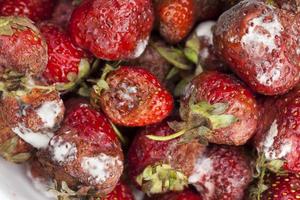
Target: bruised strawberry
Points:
(132, 97)
(184, 195)
(260, 42)
(222, 172)
(121, 192)
(227, 108)
(112, 30)
(22, 48)
(176, 18)
(66, 63)
(85, 153)
(282, 187)
(159, 167)
(36, 10)
(277, 140)
(33, 116)
(62, 13)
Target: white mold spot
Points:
(48, 112)
(62, 151)
(205, 30)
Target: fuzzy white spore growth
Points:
(36, 139)
(48, 112)
(99, 168)
(62, 151)
(140, 48)
(205, 30)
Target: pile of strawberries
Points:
(153, 99)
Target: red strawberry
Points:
(277, 140)
(62, 13)
(159, 167)
(184, 195)
(228, 108)
(283, 188)
(176, 18)
(223, 172)
(35, 10)
(22, 48)
(112, 30)
(66, 63)
(121, 192)
(260, 42)
(134, 97)
(85, 152)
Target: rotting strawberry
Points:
(62, 13)
(222, 172)
(259, 42)
(85, 154)
(290, 5)
(219, 108)
(112, 30)
(67, 64)
(22, 48)
(282, 187)
(277, 140)
(33, 116)
(121, 192)
(36, 10)
(160, 167)
(132, 96)
(176, 18)
(199, 49)
(184, 195)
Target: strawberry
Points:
(62, 12)
(184, 195)
(277, 140)
(35, 10)
(222, 172)
(176, 18)
(283, 187)
(22, 48)
(66, 63)
(33, 116)
(228, 109)
(132, 97)
(259, 42)
(85, 154)
(159, 167)
(112, 30)
(121, 192)
(290, 5)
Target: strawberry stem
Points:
(167, 138)
(119, 134)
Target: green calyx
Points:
(8, 25)
(214, 114)
(192, 48)
(160, 179)
(174, 56)
(101, 84)
(8, 148)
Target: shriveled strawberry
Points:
(159, 167)
(36, 10)
(184, 195)
(22, 48)
(259, 42)
(227, 108)
(121, 192)
(222, 172)
(62, 12)
(85, 153)
(278, 139)
(283, 187)
(176, 18)
(112, 30)
(200, 49)
(132, 97)
(66, 63)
